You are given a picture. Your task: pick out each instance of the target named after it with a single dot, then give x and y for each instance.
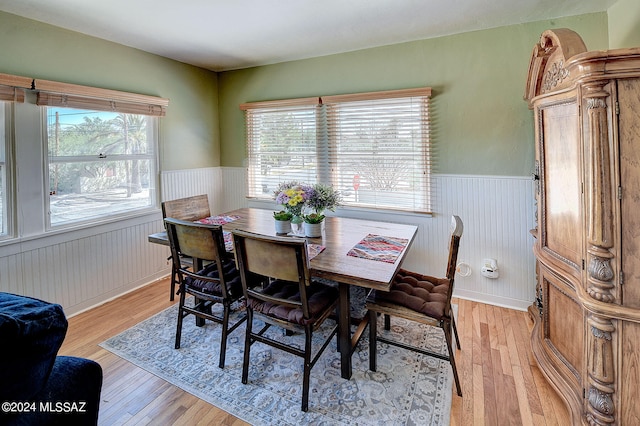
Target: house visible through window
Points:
(101, 147)
(373, 147)
(100, 163)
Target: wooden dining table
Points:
(339, 236)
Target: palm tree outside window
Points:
(100, 163)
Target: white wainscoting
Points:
(497, 212)
(82, 268)
(187, 183)
(225, 186)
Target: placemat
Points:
(314, 249)
(218, 220)
(378, 247)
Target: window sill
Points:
(61, 235)
(354, 212)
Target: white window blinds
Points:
(281, 144)
(379, 148)
(373, 147)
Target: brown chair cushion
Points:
(231, 274)
(420, 293)
(319, 297)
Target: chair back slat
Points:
(279, 258)
(189, 208)
(273, 260)
(201, 242)
(198, 241)
(454, 244)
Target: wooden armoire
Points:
(586, 338)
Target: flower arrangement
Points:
(293, 197)
(306, 201)
(323, 197)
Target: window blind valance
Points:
(298, 102)
(11, 94)
(55, 94)
(12, 87)
(352, 97)
(378, 96)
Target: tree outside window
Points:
(100, 163)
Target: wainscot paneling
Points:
(187, 183)
(86, 267)
(225, 186)
(82, 268)
(497, 212)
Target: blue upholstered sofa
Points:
(37, 387)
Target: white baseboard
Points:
(503, 302)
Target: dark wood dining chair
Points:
(279, 291)
(420, 298)
(212, 279)
(189, 209)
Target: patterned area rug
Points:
(407, 389)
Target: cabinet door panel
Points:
(630, 374)
(562, 227)
(565, 322)
(629, 139)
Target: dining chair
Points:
(279, 291)
(420, 298)
(212, 279)
(190, 209)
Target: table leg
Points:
(345, 331)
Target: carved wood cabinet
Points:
(586, 337)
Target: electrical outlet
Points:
(490, 268)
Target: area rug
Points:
(407, 389)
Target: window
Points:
(11, 90)
(4, 148)
(373, 147)
(282, 144)
(101, 154)
(100, 163)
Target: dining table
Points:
(352, 252)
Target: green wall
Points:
(624, 24)
(189, 132)
(482, 126)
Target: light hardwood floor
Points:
(501, 383)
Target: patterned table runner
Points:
(378, 247)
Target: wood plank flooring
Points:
(501, 383)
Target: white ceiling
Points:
(231, 34)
